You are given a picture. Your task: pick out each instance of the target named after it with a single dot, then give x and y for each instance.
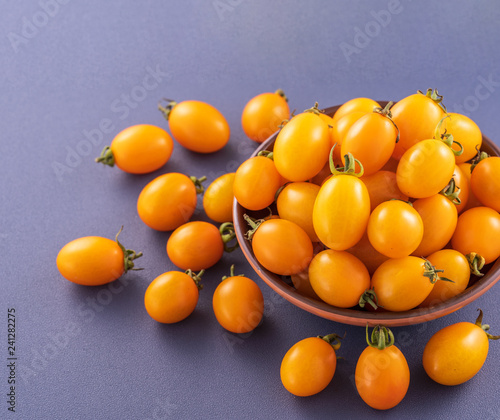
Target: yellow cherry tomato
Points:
(355, 105)
(197, 126)
(138, 149)
(464, 131)
(263, 115)
(218, 199)
(382, 186)
(172, 296)
(94, 261)
(485, 182)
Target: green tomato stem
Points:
(381, 337)
(198, 183)
(435, 96)
(231, 274)
(370, 297)
(128, 255)
(254, 225)
(476, 263)
(281, 93)
(452, 192)
(106, 157)
(228, 234)
(166, 110)
(485, 327)
(196, 277)
(332, 339)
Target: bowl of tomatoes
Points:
(350, 233)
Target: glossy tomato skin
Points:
(91, 261)
(400, 283)
(218, 199)
(195, 246)
(341, 211)
(382, 186)
(308, 367)
(302, 146)
(296, 202)
(238, 304)
(171, 297)
(439, 217)
(425, 168)
(478, 230)
(167, 201)
(462, 183)
(485, 182)
(464, 131)
(198, 126)
(263, 115)
(365, 251)
(256, 182)
(371, 140)
(282, 247)
(471, 200)
(339, 129)
(382, 377)
(365, 105)
(455, 353)
(456, 268)
(142, 148)
(416, 116)
(338, 278)
(395, 229)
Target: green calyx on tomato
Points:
(228, 234)
(128, 255)
(314, 110)
(166, 110)
(476, 263)
(386, 112)
(231, 274)
(452, 192)
(478, 158)
(332, 339)
(106, 157)
(435, 96)
(266, 153)
(254, 225)
(447, 138)
(432, 273)
(485, 327)
(349, 167)
(369, 297)
(198, 183)
(196, 277)
(381, 337)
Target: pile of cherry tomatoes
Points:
(383, 206)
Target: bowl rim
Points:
(352, 316)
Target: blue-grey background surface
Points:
(75, 73)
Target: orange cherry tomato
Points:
(425, 168)
(342, 125)
(341, 211)
(308, 366)
(382, 186)
(172, 296)
(471, 200)
(382, 374)
(355, 105)
(478, 230)
(301, 147)
(282, 247)
(456, 353)
(338, 278)
(168, 201)
(464, 131)
(485, 182)
(402, 284)
(456, 268)
(197, 126)
(218, 199)
(263, 115)
(395, 228)
(138, 149)
(371, 139)
(439, 217)
(329, 122)
(195, 246)
(94, 261)
(238, 304)
(416, 116)
(256, 182)
(296, 202)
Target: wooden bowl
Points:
(357, 316)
